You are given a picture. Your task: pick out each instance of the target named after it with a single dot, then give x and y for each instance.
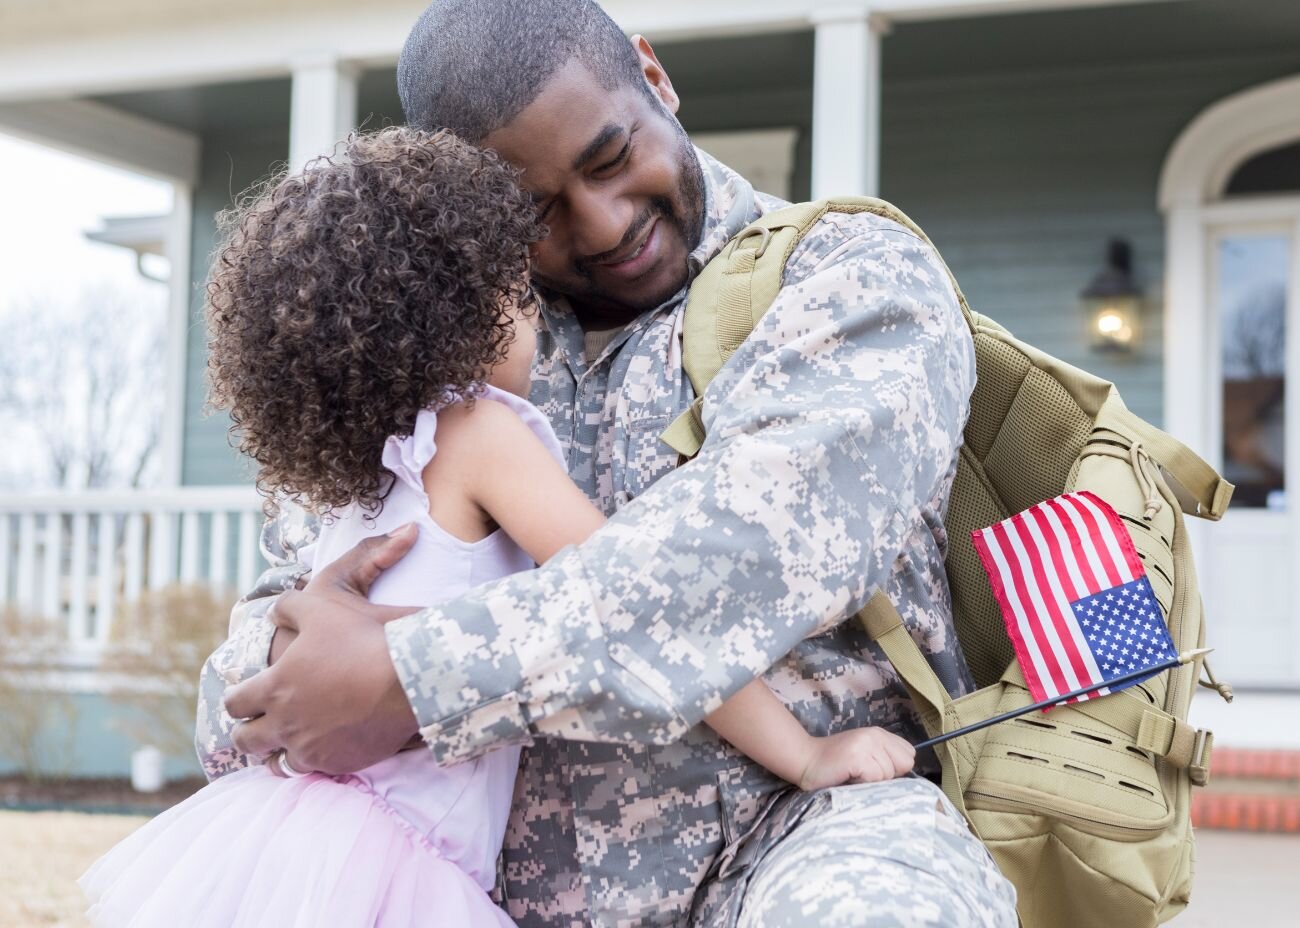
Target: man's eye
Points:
(618, 159)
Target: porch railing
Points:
(77, 558)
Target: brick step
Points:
(1246, 812)
(1252, 787)
(1236, 763)
(1250, 791)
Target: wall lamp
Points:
(1112, 302)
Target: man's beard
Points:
(686, 218)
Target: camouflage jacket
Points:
(833, 440)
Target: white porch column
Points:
(323, 106)
(180, 320)
(846, 101)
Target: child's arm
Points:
(759, 725)
(519, 484)
(525, 491)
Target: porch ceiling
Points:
(783, 62)
(242, 105)
(1127, 35)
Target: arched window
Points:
(1274, 171)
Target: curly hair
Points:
(347, 298)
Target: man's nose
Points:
(600, 220)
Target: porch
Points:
(1022, 134)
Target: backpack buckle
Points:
(1198, 771)
(749, 233)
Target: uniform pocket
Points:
(646, 459)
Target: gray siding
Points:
(231, 162)
(1021, 177)
(91, 736)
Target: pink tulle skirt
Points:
(252, 850)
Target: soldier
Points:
(833, 441)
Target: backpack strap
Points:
(1166, 736)
(885, 626)
(1200, 490)
(737, 287)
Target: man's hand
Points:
(332, 701)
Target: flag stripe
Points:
(1064, 652)
(1109, 573)
(1085, 668)
(986, 546)
(1083, 554)
(1061, 546)
(1067, 543)
(1050, 669)
(1109, 542)
(1129, 551)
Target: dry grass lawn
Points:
(41, 856)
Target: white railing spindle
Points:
(189, 547)
(218, 551)
(6, 550)
(25, 585)
(247, 551)
(105, 575)
(133, 557)
(79, 579)
(161, 550)
(51, 598)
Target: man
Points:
(833, 439)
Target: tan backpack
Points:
(1086, 808)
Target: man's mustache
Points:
(659, 207)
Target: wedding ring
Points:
(282, 760)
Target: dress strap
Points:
(407, 456)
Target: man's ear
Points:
(655, 75)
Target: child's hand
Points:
(863, 755)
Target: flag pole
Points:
(1184, 658)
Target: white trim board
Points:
(1225, 135)
(105, 134)
(179, 243)
(205, 48)
(1192, 182)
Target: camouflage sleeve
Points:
(248, 645)
(829, 430)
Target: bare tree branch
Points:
(81, 380)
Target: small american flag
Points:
(1074, 595)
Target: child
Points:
(372, 331)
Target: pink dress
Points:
(401, 843)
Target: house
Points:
(1024, 135)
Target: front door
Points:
(1253, 407)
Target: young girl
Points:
(372, 331)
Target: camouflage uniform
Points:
(833, 438)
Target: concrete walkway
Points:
(1250, 880)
